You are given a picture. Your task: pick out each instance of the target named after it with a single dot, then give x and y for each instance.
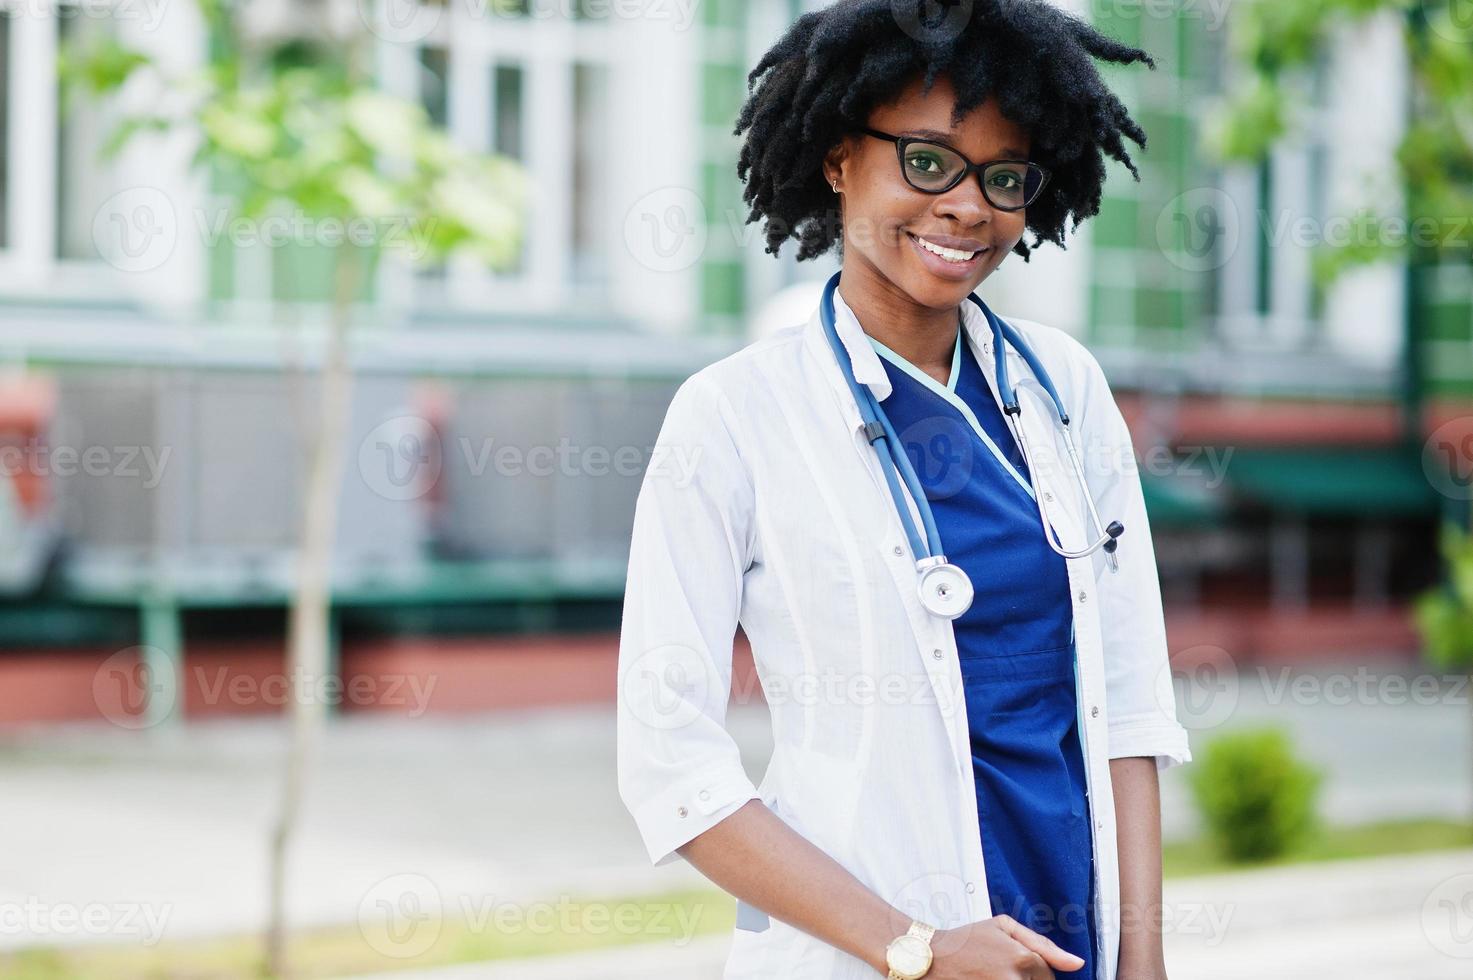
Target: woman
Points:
(964, 778)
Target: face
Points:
(885, 218)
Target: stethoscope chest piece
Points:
(944, 588)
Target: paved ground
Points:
(170, 827)
(1363, 920)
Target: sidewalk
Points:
(521, 806)
(1377, 919)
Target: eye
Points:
(1008, 180)
(924, 162)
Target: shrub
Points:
(1257, 799)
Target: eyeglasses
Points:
(935, 168)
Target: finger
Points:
(1052, 953)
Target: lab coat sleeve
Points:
(1139, 696)
(679, 771)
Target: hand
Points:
(997, 948)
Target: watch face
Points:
(909, 956)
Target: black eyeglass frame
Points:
(901, 142)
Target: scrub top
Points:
(1016, 646)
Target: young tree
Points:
(287, 120)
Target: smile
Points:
(949, 254)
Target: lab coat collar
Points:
(865, 362)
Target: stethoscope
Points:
(945, 589)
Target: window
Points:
(53, 186)
(487, 72)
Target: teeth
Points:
(949, 254)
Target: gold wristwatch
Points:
(909, 956)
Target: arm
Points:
(680, 772)
(1138, 839)
(756, 857)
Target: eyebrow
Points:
(940, 137)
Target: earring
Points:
(836, 186)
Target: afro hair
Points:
(819, 82)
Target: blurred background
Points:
(334, 338)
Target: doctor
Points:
(936, 545)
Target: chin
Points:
(934, 292)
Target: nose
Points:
(965, 203)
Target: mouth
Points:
(950, 263)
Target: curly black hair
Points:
(822, 78)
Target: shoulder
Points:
(734, 379)
(717, 397)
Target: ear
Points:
(835, 160)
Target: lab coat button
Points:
(899, 550)
(1094, 711)
(936, 653)
(1047, 495)
(705, 794)
(1083, 595)
(971, 887)
(681, 811)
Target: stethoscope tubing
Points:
(893, 459)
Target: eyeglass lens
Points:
(932, 167)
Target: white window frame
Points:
(546, 50)
(29, 265)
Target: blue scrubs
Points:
(1016, 644)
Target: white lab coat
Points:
(763, 504)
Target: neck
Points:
(923, 336)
